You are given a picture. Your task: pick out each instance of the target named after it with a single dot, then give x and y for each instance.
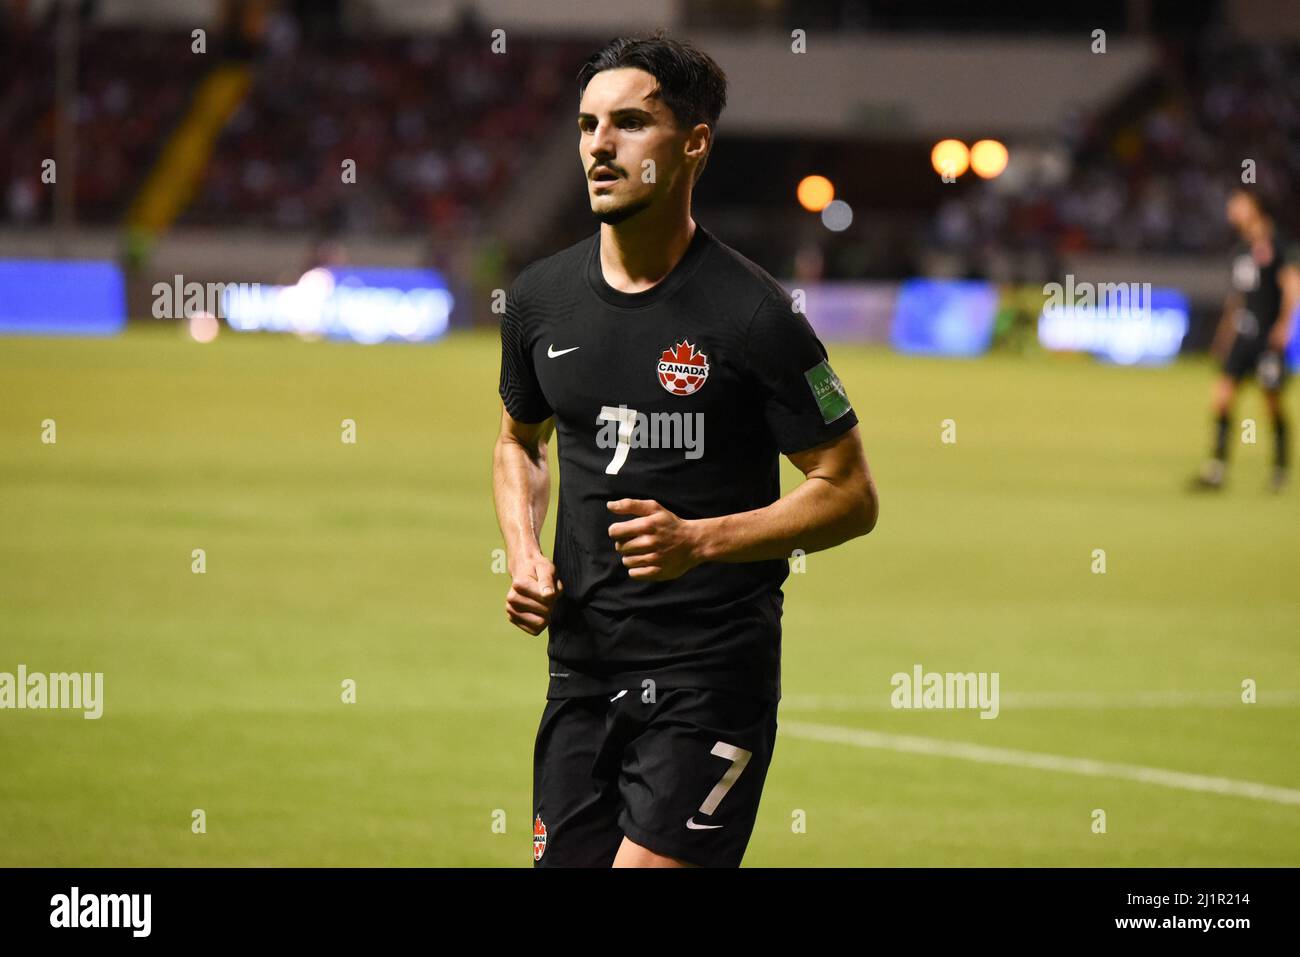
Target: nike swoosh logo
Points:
(690, 824)
(551, 353)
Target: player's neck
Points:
(638, 254)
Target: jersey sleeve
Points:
(1288, 253)
(519, 389)
(804, 402)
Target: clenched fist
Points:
(655, 543)
(533, 590)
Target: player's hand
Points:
(534, 588)
(655, 543)
(1277, 339)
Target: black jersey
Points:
(686, 393)
(1254, 276)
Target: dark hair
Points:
(691, 85)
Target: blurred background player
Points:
(1254, 330)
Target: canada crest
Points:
(683, 369)
(539, 839)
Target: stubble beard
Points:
(619, 214)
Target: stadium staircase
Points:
(175, 177)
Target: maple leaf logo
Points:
(684, 352)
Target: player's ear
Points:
(699, 143)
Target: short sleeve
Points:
(804, 402)
(1288, 253)
(519, 388)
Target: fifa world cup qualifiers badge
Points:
(539, 838)
(828, 391)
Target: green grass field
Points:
(373, 561)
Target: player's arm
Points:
(1288, 278)
(521, 477)
(521, 487)
(1227, 326)
(836, 501)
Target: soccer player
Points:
(1254, 330)
(675, 373)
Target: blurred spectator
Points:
(1158, 182)
(438, 128)
(132, 87)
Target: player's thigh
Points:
(575, 793)
(632, 854)
(693, 777)
(1239, 363)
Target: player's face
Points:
(621, 126)
(1243, 214)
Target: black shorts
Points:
(681, 776)
(1252, 356)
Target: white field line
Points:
(983, 754)
(1058, 700)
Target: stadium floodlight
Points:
(988, 158)
(815, 193)
(950, 158)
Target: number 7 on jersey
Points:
(626, 419)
